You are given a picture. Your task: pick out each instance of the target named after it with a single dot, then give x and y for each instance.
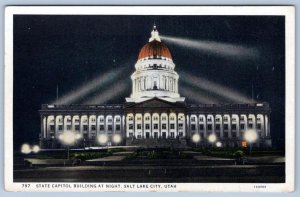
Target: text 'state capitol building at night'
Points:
(155, 115)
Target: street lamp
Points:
(196, 138)
(36, 149)
(102, 139)
(25, 149)
(250, 136)
(68, 138)
(117, 138)
(219, 144)
(212, 138)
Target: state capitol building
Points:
(155, 115)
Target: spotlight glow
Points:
(193, 95)
(217, 48)
(98, 82)
(35, 149)
(212, 138)
(196, 138)
(25, 149)
(215, 88)
(106, 95)
(102, 139)
(117, 138)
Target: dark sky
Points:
(69, 51)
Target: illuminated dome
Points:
(155, 74)
(156, 50)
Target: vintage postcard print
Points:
(149, 98)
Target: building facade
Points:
(155, 114)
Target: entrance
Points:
(147, 135)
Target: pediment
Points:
(154, 103)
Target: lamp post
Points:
(25, 149)
(69, 138)
(196, 138)
(212, 138)
(250, 136)
(219, 144)
(117, 139)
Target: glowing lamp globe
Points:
(196, 138)
(219, 144)
(25, 149)
(36, 149)
(102, 139)
(67, 138)
(212, 138)
(250, 136)
(117, 138)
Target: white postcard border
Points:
(287, 11)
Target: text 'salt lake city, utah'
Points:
(149, 98)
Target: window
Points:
(164, 118)
(164, 126)
(147, 118)
(109, 127)
(118, 127)
(130, 118)
(172, 126)
(209, 119)
(225, 134)
(139, 136)
(180, 134)
(172, 118)
(259, 126)
(85, 127)
(164, 135)
(242, 126)
(180, 126)
(201, 126)
(233, 127)
(139, 118)
(139, 126)
(193, 127)
(155, 134)
(217, 119)
(242, 118)
(193, 119)
(85, 135)
(130, 134)
(60, 127)
(131, 126)
(225, 126)
(68, 127)
(172, 135)
(101, 127)
(209, 127)
(147, 126)
(76, 127)
(218, 126)
(201, 119)
(93, 127)
(101, 119)
(250, 126)
(118, 119)
(155, 118)
(250, 119)
(109, 120)
(155, 126)
(225, 118)
(233, 134)
(218, 134)
(52, 127)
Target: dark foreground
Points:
(169, 173)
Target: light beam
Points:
(217, 48)
(113, 91)
(215, 88)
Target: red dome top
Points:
(155, 49)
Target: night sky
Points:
(70, 51)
